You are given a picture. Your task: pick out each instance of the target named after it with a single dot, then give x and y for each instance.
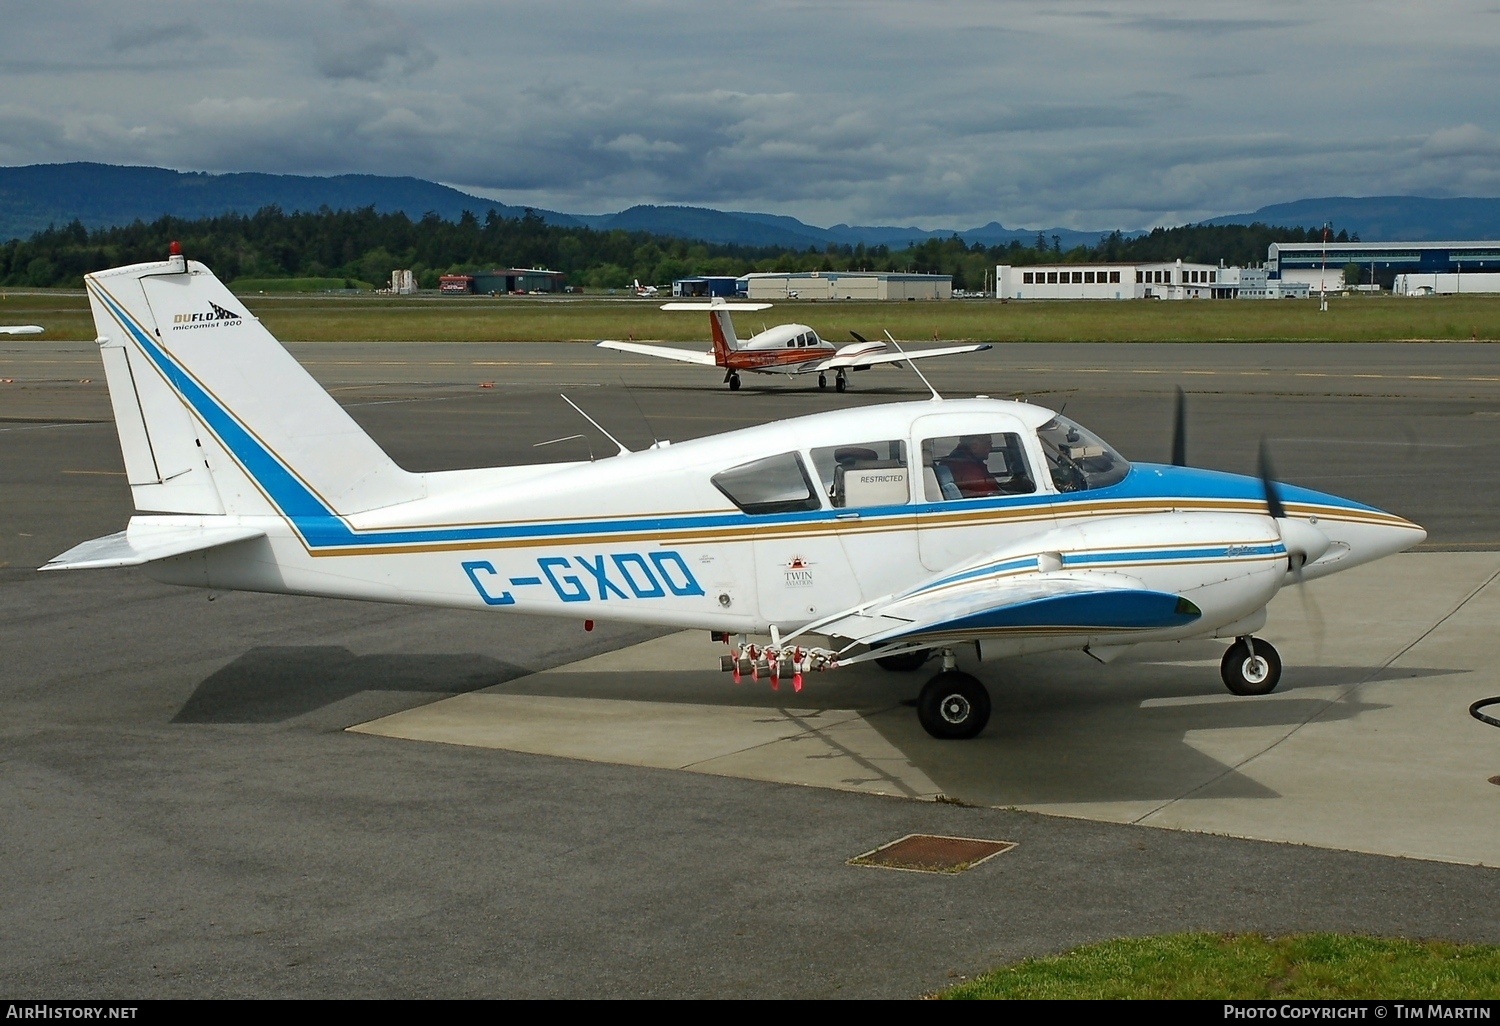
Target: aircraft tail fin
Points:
(214, 416)
(719, 323)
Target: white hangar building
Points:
(845, 285)
(1174, 280)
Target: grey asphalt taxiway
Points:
(186, 811)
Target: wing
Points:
(20, 329)
(870, 360)
(973, 602)
(662, 352)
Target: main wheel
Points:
(841, 383)
(734, 382)
(953, 706)
(822, 381)
(1248, 671)
(903, 662)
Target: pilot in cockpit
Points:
(969, 466)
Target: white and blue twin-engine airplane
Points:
(899, 533)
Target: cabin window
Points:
(975, 466)
(776, 484)
(1077, 458)
(864, 474)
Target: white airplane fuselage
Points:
(250, 477)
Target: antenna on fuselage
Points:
(623, 451)
(913, 365)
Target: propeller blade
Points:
(1268, 482)
(1179, 431)
(859, 338)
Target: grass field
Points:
(1251, 967)
(312, 318)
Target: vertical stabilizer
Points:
(722, 327)
(214, 416)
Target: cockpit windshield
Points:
(1079, 459)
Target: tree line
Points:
(365, 246)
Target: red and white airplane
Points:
(784, 349)
(642, 290)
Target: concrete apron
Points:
(1367, 745)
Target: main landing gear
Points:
(1251, 667)
(953, 706)
(822, 380)
(841, 382)
(733, 378)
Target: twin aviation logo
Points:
(216, 316)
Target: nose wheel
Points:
(1251, 667)
(822, 381)
(953, 706)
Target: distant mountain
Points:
(101, 195)
(738, 227)
(1385, 218)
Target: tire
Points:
(904, 662)
(822, 382)
(841, 383)
(734, 382)
(1251, 673)
(953, 706)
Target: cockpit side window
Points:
(1077, 458)
(975, 466)
(776, 484)
(864, 474)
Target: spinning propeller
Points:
(1304, 542)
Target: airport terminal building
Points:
(1435, 266)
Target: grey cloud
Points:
(154, 35)
(371, 43)
(1208, 26)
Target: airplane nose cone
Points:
(1362, 539)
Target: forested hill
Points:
(101, 195)
(366, 245)
(39, 196)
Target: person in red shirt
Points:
(967, 463)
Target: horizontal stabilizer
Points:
(127, 549)
(715, 307)
(662, 352)
(872, 358)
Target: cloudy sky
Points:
(1092, 114)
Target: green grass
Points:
(319, 318)
(254, 286)
(1250, 966)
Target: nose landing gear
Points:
(733, 379)
(1251, 667)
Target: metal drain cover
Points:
(930, 853)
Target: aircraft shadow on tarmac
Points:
(276, 684)
(1063, 728)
